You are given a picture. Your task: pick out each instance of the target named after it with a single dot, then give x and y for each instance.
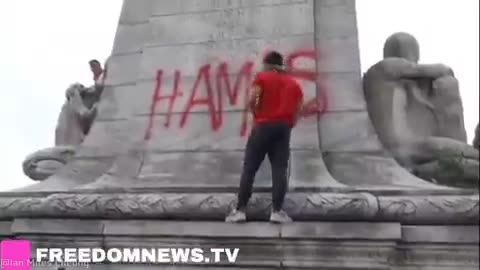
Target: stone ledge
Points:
(192, 229)
(57, 226)
(302, 206)
(5, 228)
(440, 234)
(342, 231)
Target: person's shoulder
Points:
(292, 81)
(262, 73)
(267, 76)
(294, 85)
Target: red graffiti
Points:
(203, 74)
(245, 73)
(157, 97)
(220, 85)
(318, 104)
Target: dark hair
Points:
(94, 61)
(273, 58)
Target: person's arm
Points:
(299, 107)
(256, 94)
(254, 99)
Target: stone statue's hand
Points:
(94, 108)
(83, 112)
(70, 92)
(443, 70)
(73, 89)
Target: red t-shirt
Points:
(279, 97)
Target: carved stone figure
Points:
(417, 112)
(476, 139)
(74, 122)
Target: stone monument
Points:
(161, 162)
(74, 122)
(417, 112)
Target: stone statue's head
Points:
(75, 87)
(402, 45)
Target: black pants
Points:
(272, 139)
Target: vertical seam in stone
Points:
(144, 148)
(315, 46)
(142, 162)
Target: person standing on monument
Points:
(275, 103)
(98, 72)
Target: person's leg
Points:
(255, 152)
(279, 155)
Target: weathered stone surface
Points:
(262, 245)
(191, 229)
(5, 229)
(327, 23)
(223, 169)
(123, 69)
(136, 11)
(440, 234)
(130, 38)
(336, 54)
(196, 6)
(190, 57)
(116, 135)
(337, 231)
(199, 135)
(372, 169)
(56, 226)
(342, 91)
(233, 24)
(347, 132)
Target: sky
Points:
(47, 44)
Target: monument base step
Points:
(299, 245)
(411, 209)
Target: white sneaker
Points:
(280, 217)
(236, 216)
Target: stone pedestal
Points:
(301, 245)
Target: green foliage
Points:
(452, 165)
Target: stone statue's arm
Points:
(433, 71)
(476, 139)
(403, 69)
(76, 103)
